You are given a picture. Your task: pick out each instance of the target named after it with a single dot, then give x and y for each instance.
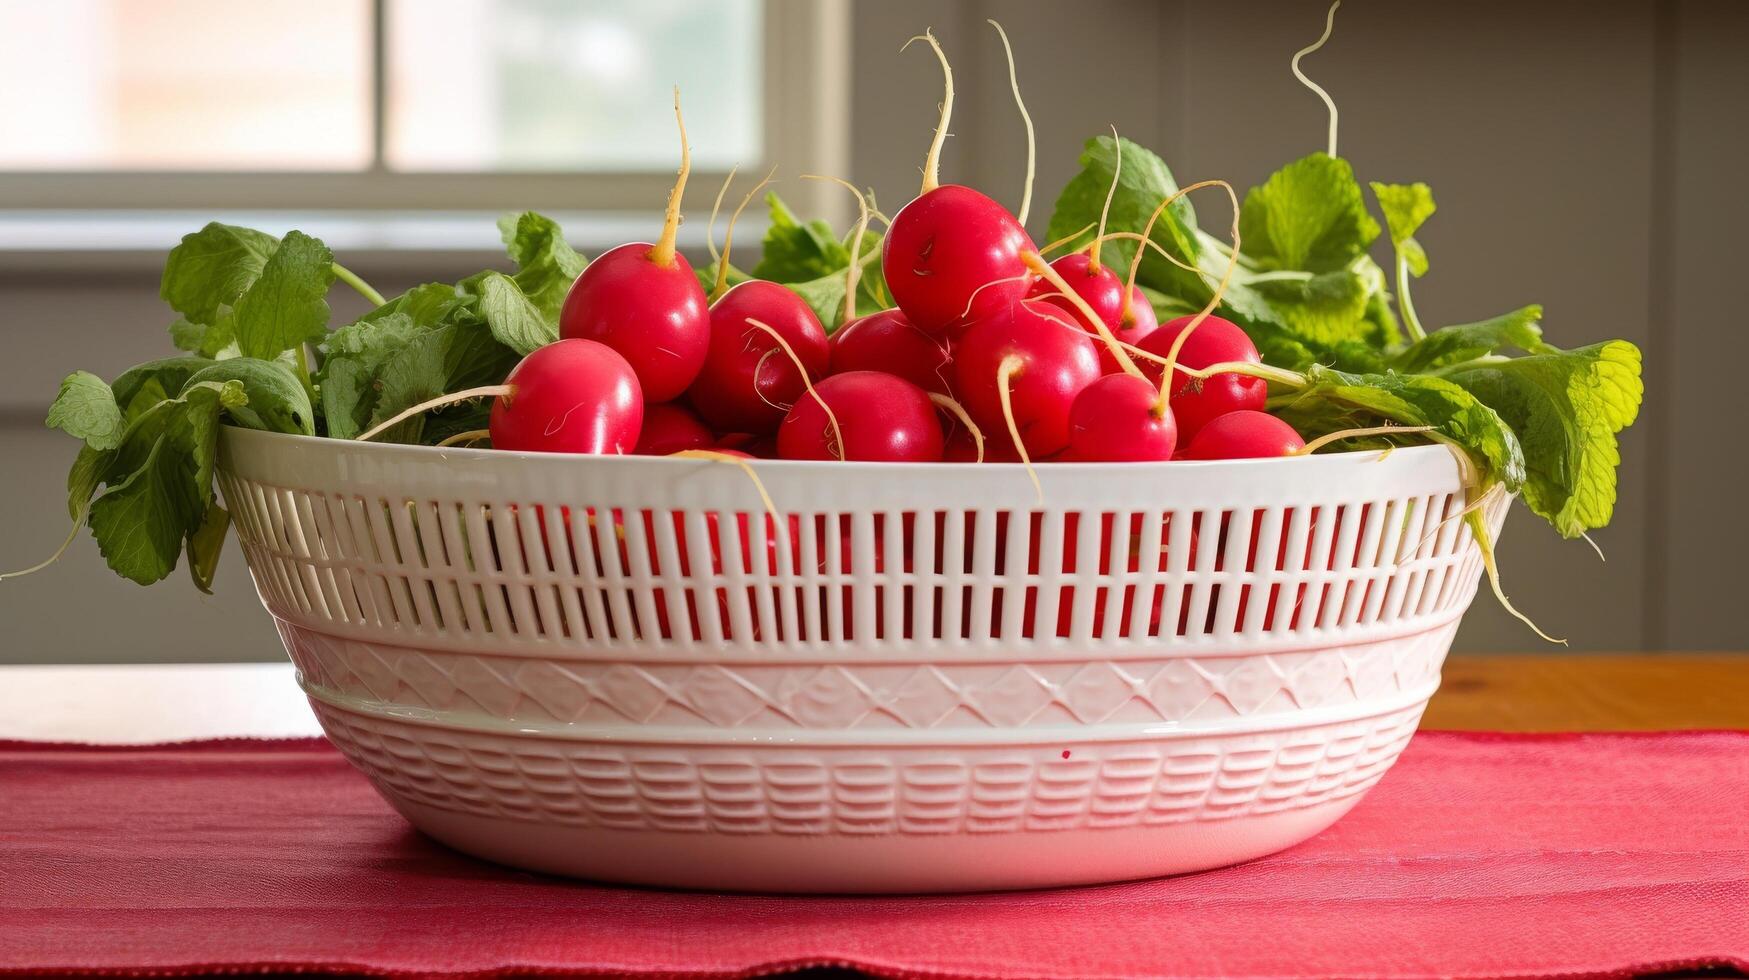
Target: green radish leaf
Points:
(798, 251)
(1411, 399)
(450, 358)
(356, 354)
(1406, 207)
(1308, 215)
(1567, 407)
(546, 264)
(1324, 309)
(425, 305)
(212, 268)
(86, 409)
(287, 304)
(1467, 341)
(83, 479)
(205, 546)
(513, 319)
(825, 296)
(1143, 182)
(160, 482)
(157, 378)
(278, 401)
(204, 339)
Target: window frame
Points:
(806, 101)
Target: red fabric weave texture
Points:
(1478, 855)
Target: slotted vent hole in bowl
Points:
(582, 573)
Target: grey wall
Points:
(1586, 156)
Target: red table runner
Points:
(1478, 855)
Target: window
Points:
(405, 103)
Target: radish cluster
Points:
(993, 353)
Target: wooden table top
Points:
(1526, 692)
(1591, 692)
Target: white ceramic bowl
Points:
(922, 679)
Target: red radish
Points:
(947, 244)
(645, 302)
(671, 428)
(1121, 418)
(960, 447)
(862, 416)
(951, 242)
(1197, 400)
(747, 383)
(888, 342)
(1244, 434)
(1103, 290)
(571, 396)
(1023, 354)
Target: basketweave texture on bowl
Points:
(914, 678)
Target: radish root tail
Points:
(932, 162)
(1066, 239)
(472, 435)
(710, 229)
(1479, 529)
(958, 411)
(1004, 372)
(722, 283)
(855, 268)
(1025, 117)
(746, 467)
(453, 398)
(73, 532)
(663, 252)
(1329, 103)
(807, 382)
(1372, 430)
(1105, 210)
(1208, 308)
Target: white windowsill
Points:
(76, 240)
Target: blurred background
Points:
(1585, 155)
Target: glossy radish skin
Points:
(1057, 360)
(884, 418)
(946, 244)
(887, 341)
(1121, 419)
(747, 382)
(571, 396)
(1197, 400)
(1244, 435)
(749, 445)
(671, 428)
(1103, 290)
(654, 316)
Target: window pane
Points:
(185, 85)
(481, 85)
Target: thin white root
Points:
(972, 299)
(663, 253)
(1059, 243)
(807, 382)
(1004, 372)
(1594, 547)
(1105, 209)
(1026, 117)
(1329, 103)
(710, 229)
(73, 532)
(1479, 529)
(932, 162)
(453, 398)
(1373, 430)
(722, 283)
(747, 468)
(1158, 248)
(855, 268)
(958, 411)
(472, 435)
(1208, 308)
(1036, 263)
